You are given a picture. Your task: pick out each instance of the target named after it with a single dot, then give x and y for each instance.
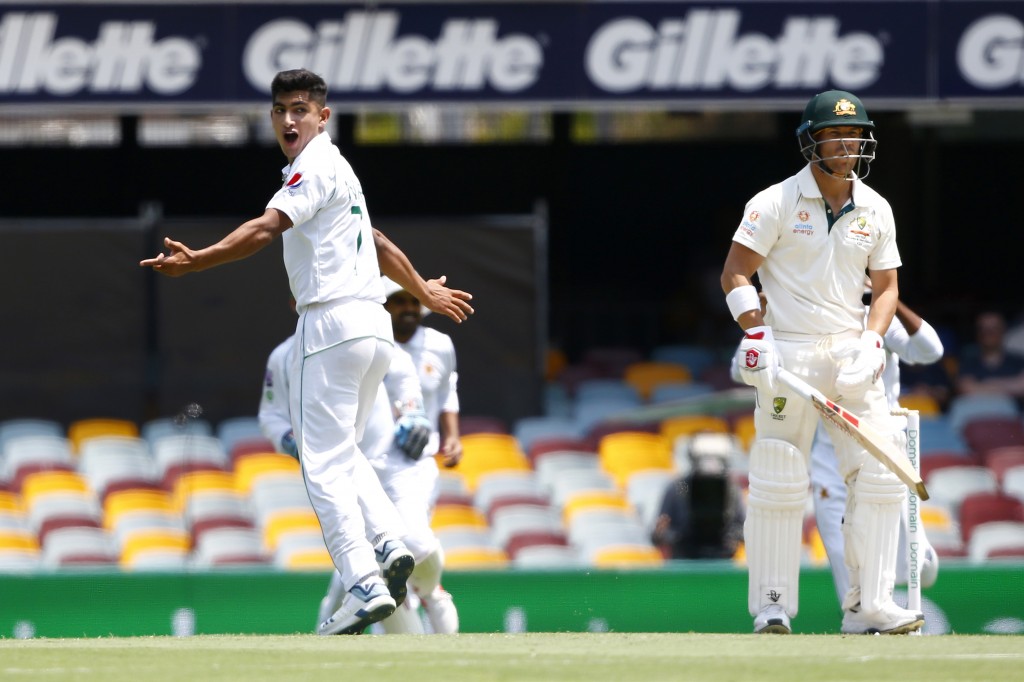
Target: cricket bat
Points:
(880, 447)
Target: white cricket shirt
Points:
(329, 252)
(813, 276)
(433, 354)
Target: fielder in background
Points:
(396, 434)
(344, 343)
(912, 340)
(810, 240)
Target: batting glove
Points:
(865, 368)
(758, 360)
(412, 431)
(288, 444)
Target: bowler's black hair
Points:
(300, 79)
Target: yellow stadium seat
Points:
(9, 501)
(688, 425)
(744, 430)
(488, 452)
(308, 560)
(926, 405)
(456, 515)
(645, 376)
(620, 454)
(195, 481)
(936, 518)
(83, 429)
(739, 557)
(815, 548)
(158, 539)
(20, 540)
(594, 499)
(290, 521)
(475, 558)
(627, 556)
(44, 482)
(251, 467)
(128, 501)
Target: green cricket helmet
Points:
(832, 109)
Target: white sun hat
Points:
(392, 287)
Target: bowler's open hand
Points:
(452, 303)
(179, 261)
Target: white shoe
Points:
(441, 612)
(363, 604)
(889, 620)
(396, 565)
(929, 567)
(772, 620)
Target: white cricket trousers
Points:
(333, 394)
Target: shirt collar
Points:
(320, 141)
(809, 188)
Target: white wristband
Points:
(742, 299)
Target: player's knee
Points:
(778, 474)
(875, 483)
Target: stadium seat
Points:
(549, 466)
(287, 522)
(577, 481)
(178, 450)
(987, 433)
(695, 358)
(925, 405)
(303, 551)
(483, 453)
(547, 556)
(73, 508)
(159, 428)
(41, 483)
(687, 425)
(104, 460)
(131, 525)
(497, 484)
(645, 376)
(1013, 482)
(939, 435)
(600, 528)
(606, 388)
(626, 556)
(19, 561)
(235, 430)
(673, 391)
(943, 529)
(155, 548)
(475, 558)
(531, 430)
(607, 502)
(132, 501)
(527, 539)
(516, 519)
(967, 407)
(35, 451)
(250, 468)
(645, 491)
(1001, 459)
(462, 537)
(229, 546)
(556, 401)
(620, 454)
(934, 461)
(78, 546)
(250, 446)
(273, 494)
(84, 429)
(992, 536)
(15, 428)
(589, 413)
(449, 515)
(950, 485)
(203, 481)
(982, 508)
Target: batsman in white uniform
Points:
(911, 339)
(810, 239)
(333, 257)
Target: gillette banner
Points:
(559, 54)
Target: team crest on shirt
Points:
(860, 231)
(293, 183)
(778, 405)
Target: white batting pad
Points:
(426, 577)
(872, 536)
(404, 621)
(775, 510)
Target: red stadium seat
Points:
(984, 507)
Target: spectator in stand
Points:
(987, 366)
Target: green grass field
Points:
(561, 657)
